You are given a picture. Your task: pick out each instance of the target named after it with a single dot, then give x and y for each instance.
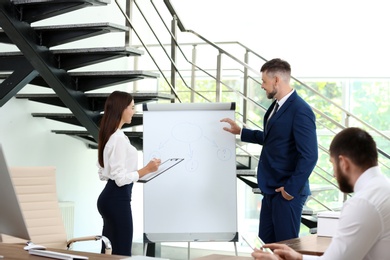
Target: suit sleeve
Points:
(304, 132)
(252, 136)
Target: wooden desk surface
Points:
(224, 257)
(309, 245)
(16, 252)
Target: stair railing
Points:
(247, 68)
(146, 48)
(347, 113)
(220, 50)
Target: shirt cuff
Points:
(135, 176)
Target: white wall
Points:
(319, 38)
(28, 141)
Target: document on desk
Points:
(164, 166)
(140, 257)
(55, 255)
(255, 243)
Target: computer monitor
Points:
(11, 216)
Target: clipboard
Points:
(164, 166)
(255, 242)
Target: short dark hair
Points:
(276, 65)
(356, 144)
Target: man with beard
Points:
(289, 154)
(364, 226)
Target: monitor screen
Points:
(11, 217)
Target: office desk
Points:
(16, 252)
(223, 257)
(309, 245)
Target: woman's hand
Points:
(152, 166)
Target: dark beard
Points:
(343, 181)
(271, 95)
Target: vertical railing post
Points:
(173, 54)
(193, 75)
(129, 12)
(218, 90)
(129, 37)
(346, 101)
(136, 65)
(245, 90)
(346, 105)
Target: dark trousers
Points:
(114, 206)
(280, 219)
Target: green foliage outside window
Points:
(368, 100)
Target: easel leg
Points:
(153, 249)
(188, 251)
(235, 248)
(145, 248)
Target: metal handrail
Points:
(147, 49)
(247, 67)
(161, 45)
(221, 50)
(180, 25)
(190, 62)
(183, 29)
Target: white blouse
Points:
(120, 160)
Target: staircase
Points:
(38, 63)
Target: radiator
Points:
(67, 212)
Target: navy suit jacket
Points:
(290, 152)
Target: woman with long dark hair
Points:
(118, 165)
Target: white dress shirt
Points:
(280, 103)
(284, 99)
(364, 227)
(120, 160)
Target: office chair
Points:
(36, 190)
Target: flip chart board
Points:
(197, 199)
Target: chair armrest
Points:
(106, 241)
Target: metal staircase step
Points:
(96, 100)
(69, 118)
(68, 59)
(134, 137)
(248, 177)
(75, 58)
(54, 35)
(87, 81)
(93, 80)
(246, 173)
(21, 68)
(35, 10)
(10, 61)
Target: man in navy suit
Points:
(288, 157)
